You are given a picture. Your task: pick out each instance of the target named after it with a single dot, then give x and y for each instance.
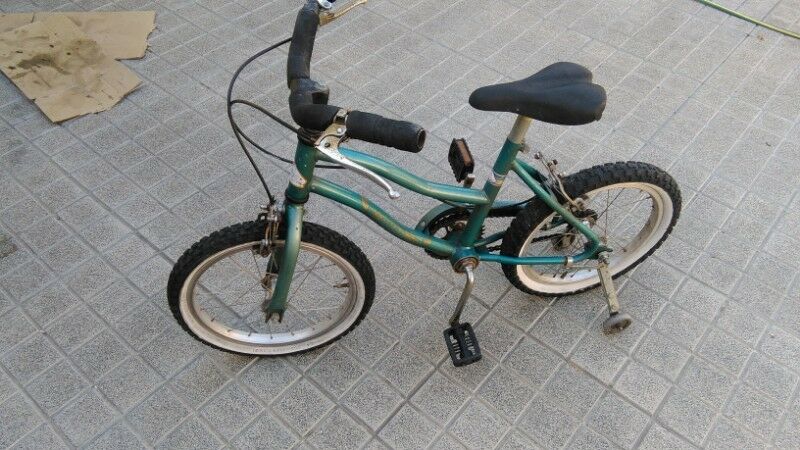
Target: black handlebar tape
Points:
(307, 99)
(308, 105)
(302, 46)
(401, 135)
(314, 117)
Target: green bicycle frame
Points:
(469, 244)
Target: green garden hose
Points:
(750, 19)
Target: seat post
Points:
(520, 129)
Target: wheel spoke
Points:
(646, 196)
(608, 205)
(225, 305)
(321, 308)
(231, 311)
(219, 296)
(222, 294)
(297, 272)
(307, 275)
(625, 217)
(258, 268)
(245, 270)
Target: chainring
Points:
(453, 221)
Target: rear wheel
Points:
(219, 287)
(632, 207)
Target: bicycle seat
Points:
(562, 93)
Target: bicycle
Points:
(280, 285)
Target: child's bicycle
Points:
(279, 285)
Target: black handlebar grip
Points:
(401, 135)
(302, 46)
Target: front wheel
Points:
(218, 289)
(632, 206)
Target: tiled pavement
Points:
(93, 213)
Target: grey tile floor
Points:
(94, 212)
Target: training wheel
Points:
(616, 323)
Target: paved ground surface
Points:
(94, 212)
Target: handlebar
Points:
(379, 130)
(308, 101)
(302, 46)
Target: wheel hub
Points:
(567, 239)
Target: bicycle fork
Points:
(287, 261)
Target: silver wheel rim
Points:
(315, 314)
(645, 207)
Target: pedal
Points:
(462, 344)
(461, 160)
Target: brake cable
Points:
(242, 137)
(752, 20)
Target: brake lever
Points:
(327, 17)
(328, 145)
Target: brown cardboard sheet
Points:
(64, 71)
(121, 35)
(10, 21)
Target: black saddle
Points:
(562, 93)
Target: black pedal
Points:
(461, 160)
(462, 344)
